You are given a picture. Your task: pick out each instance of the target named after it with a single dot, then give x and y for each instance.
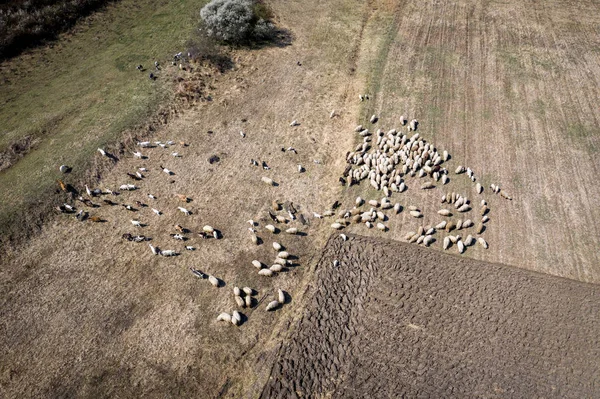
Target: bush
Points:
(237, 21)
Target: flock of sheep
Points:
(386, 159)
(146, 207)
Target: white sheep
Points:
(280, 296)
(277, 246)
(257, 264)
(275, 268)
(444, 212)
(265, 272)
(283, 255)
(185, 211)
(292, 230)
(156, 211)
(224, 317)
(213, 280)
(267, 180)
(272, 305)
(239, 300)
(344, 237)
(271, 228)
(336, 226)
(168, 252)
(138, 154)
(102, 152)
(154, 250)
(294, 123)
(236, 318)
(482, 242)
(416, 214)
(136, 223)
(460, 246)
(247, 290)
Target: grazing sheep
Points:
(441, 225)
(185, 211)
(414, 124)
(154, 250)
(467, 223)
(272, 305)
(336, 226)
(267, 180)
(168, 252)
(284, 254)
(237, 291)
(480, 228)
(265, 272)
(280, 219)
(280, 296)
(504, 195)
(460, 246)
(484, 210)
(464, 208)
(344, 237)
(446, 243)
(190, 248)
(444, 212)
(136, 223)
(167, 171)
(485, 219)
(257, 264)
(254, 239)
(151, 196)
(482, 242)
(224, 317)
(460, 169)
(276, 268)
(397, 208)
(358, 129)
(478, 188)
(236, 318)
(451, 225)
(102, 152)
(277, 246)
(183, 198)
(156, 211)
(239, 301)
(248, 300)
(208, 229)
(381, 226)
(292, 230)
(427, 185)
(469, 240)
(271, 228)
(445, 179)
(373, 119)
(459, 224)
(280, 261)
(428, 240)
(416, 214)
(248, 290)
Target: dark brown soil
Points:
(394, 320)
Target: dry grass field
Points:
(508, 89)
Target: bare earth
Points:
(509, 89)
(393, 320)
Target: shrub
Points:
(237, 21)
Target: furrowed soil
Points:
(393, 320)
(509, 89)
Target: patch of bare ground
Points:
(394, 320)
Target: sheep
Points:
(280, 219)
(236, 317)
(441, 225)
(454, 239)
(479, 228)
(469, 240)
(190, 248)
(397, 208)
(336, 226)
(294, 123)
(242, 134)
(451, 225)
(178, 237)
(300, 168)
(444, 212)
(485, 219)
(280, 296)
(427, 185)
(272, 305)
(248, 291)
(483, 202)
(183, 198)
(504, 195)
(358, 129)
(151, 196)
(460, 246)
(154, 249)
(446, 243)
(102, 152)
(156, 211)
(168, 252)
(460, 169)
(213, 280)
(403, 120)
(208, 229)
(414, 124)
(224, 317)
(280, 261)
(359, 201)
(464, 208)
(136, 223)
(292, 230)
(416, 214)
(459, 224)
(185, 211)
(344, 237)
(428, 240)
(478, 188)
(373, 119)
(254, 239)
(257, 264)
(138, 154)
(239, 301)
(284, 254)
(409, 235)
(167, 171)
(277, 246)
(271, 228)
(420, 231)
(275, 268)
(482, 242)
(467, 223)
(332, 114)
(381, 226)
(445, 179)
(267, 180)
(248, 301)
(265, 272)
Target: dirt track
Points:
(398, 321)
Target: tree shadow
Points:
(280, 38)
